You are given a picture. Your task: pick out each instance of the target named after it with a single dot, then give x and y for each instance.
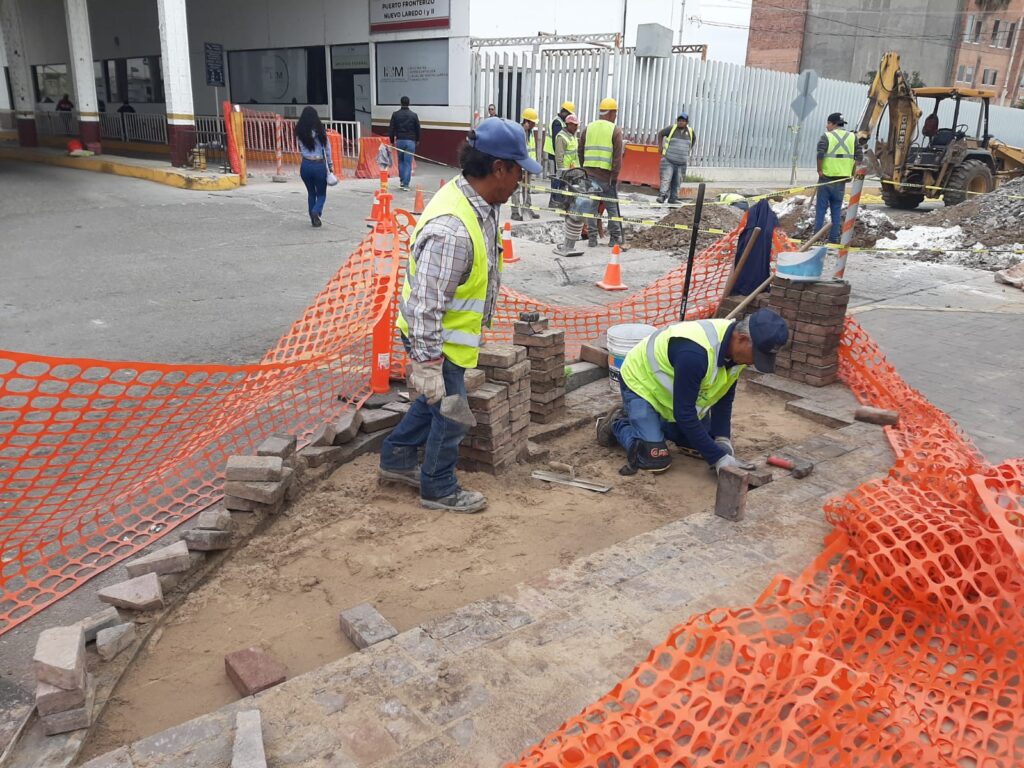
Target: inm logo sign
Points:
(394, 71)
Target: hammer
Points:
(799, 467)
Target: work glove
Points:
(427, 379)
(726, 445)
(731, 461)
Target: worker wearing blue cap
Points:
(677, 142)
(448, 297)
(678, 384)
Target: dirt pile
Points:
(994, 219)
(721, 217)
(796, 217)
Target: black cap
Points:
(836, 118)
(768, 333)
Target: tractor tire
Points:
(906, 201)
(971, 176)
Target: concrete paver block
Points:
(379, 419)
(346, 427)
(818, 412)
(318, 455)
(324, 435)
(364, 626)
(259, 469)
(380, 399)
(50, 699)
(590, 353)
(60, 657)
(119, 758)
(251, 671)
(247, 751)
(112, 641)
(281, 446)
(401, 407)
(91, 625)
(475, 378)
(731, 499)
(236, 504)
(500, 355)
(759, 477)
(880, 416)
(262, 493)
(583, 373)
(139, 594)
(214, 519)
(170, 559)
(207, 541)
(72, 719)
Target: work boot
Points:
(516, 216)
(674, 201)
(461, 502)
(534, 215)
(315, 219)
(660, 199)
(568, 248)
(605, 425)
(612, 242)
(592, 241)
(410, 477)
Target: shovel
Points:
(456, 408)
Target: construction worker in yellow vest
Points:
(557, 126)
(677, 143)
(522, 199)
(449, 294)
(601, 152)
(838, 152)
(678, 384)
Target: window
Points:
(968, 75)
(989, 76)
(969, 28)
(51, 82)
(960, 74)
(1010, 33)
(979, 27)
(279, 76)
(995, 33)
(143, 82)
(414, 68)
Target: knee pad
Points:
(653, 457)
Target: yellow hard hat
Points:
(530, 114)
(568, 106)
(609, 104)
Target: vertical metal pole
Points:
(851, 219)
(697, 211)
(796, 146)
(278, 143)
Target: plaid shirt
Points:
(444, 257)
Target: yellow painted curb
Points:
(101, 164)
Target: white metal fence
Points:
(57, 123)
(742, 116)
(8, 121)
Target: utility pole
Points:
(625, 9)
(682, 20)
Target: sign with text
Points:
(414, 68)
(350, 56)
(391, 15)
(214, 56)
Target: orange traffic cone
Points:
(383, 181)
(417, 207)
(374, 216)
(613, 274)
(508, 255)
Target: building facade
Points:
(990, 50)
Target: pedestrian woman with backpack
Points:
(317, 170)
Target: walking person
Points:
(405, 135)
(316, 161)
(838, 153)
(449, 295)
(600, 147)
(676, 144)
(522, 199)
(556, 127)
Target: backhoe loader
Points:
(935, 161)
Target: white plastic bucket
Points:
(802, 265)
(621, 339)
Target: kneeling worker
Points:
(678, 384)
(450, 291)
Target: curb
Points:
(168, 176)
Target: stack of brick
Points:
(816, 313)
(65, 692)
(729, 303)
(502, 410)
(546, 353)
(259, 483)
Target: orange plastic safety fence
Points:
(98, 458)
(901, 645)
(261, 143)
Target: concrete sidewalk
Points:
(159, 171)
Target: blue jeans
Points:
(642, 422)
(424, 426)
(405, 160)
(314, 176)
(671, 174)
(830, 196)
